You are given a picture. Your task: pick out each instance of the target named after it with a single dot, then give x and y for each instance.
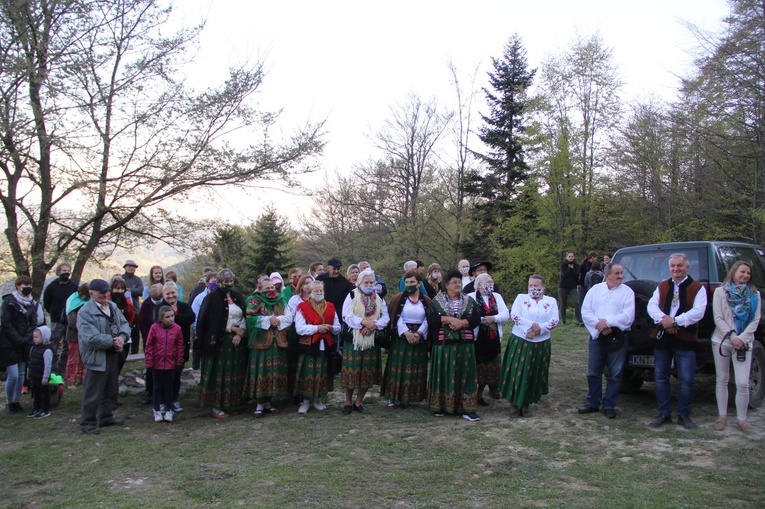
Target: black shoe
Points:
(686, 422)
(471, 416)
(483, 402)
(90, 430)
(360, 409)
(525, 411)
(610, 413)
(113, 422)
(18, 407)
(347, 409)
(146, 399)
(34, 412)
(494, 393)
(660, 421)
(587, 409)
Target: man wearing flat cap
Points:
(102, 334)
(479, 267)
(336, 286)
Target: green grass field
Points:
(389, 458)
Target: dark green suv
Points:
(645, 266)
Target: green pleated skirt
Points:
(311, 379)
(361, 368)
(453, 386)
(525, 371)
(266, 374)
(406, 372)
(222, 378)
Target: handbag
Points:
(334, 361)
(382, 338)
(612, 342)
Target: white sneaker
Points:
(157, 416)
(169, 416)
(318, 405)
(304, 406)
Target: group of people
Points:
(677, 306)
(288, 340)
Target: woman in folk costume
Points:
(364, 312)
(405, 379)
(221, 326)
(488, 345)
(527, 358)
(452, 316)
(317, 325)
(268, 319)
(302, 294)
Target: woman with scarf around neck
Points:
(736, 307)
(220, 328)
(316, 324)
(364, 312)
(527, 357)
(75, 369)
(405, 379)
(488, 345)
(20, 314)
(452, 316)
(268, 318)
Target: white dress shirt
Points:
(693, 315)
(616, 305)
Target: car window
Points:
(731, 254)
(654, 265)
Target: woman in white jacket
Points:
(525, 370)
(736, 306)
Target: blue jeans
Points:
(597, 361)
(685, 362)
(14, 381)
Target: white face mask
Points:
(487, 289)
(318, 297)
(367, 290)
(464, 270)
(535, 292)
(436, 276)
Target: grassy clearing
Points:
(389, 458)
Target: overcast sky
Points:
(349, 62)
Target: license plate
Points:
(641, 360)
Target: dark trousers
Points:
(177, 382)
(163, 388)
(41, 395)
(100, 391)
(135, 338)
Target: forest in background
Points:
(554, 159)
(539, 161)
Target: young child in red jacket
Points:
(164, 352)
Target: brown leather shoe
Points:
(720, 423)
(745, 427)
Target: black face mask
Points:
(119, 299)
(64, 277)
(26, 291)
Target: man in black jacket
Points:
(54, 301)
(336, 286)
(477, 268)
(567, 288)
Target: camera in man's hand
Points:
(741, 354)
